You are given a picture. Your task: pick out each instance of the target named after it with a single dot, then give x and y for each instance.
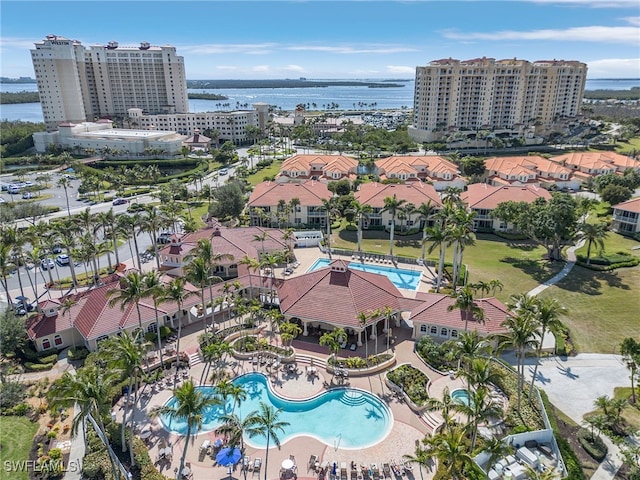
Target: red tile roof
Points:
(374, 193)
(92, 316)
(434, 311)
(598, 160)
(483, 196)
(335, 162)
(310, 193)
(336, 297)
(632, 205)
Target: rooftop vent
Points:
(112, 45)
(145, 45)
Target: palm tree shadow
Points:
(583, 280)
(539, 270)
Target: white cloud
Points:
(227, 67)
(294, 68)
(614, 68)
(260, 68)
(401, 69)
(627, 35)
(217, 49)
(351, 50)
(16, 42)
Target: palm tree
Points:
(425, 211)
(363, 317)
(197, 272)
(393, 206)
(451, 449)
(177, 292)
(548, 318)
(630, 351)
(125, 354)
(155, 289)
(252, 264)
(130, 291)
(468, 347)
(360, 213)
(65, 183)
(439, 236)
(521, 336)
(151, 223)
(6, 267)
(481, 406)
(267, 424)
(495, 285)
(447, 407)
(330, 210)
(190, 406)
(593, 233)
(294, 203)
(461, 236)
(210, 259)
(233, 428)
(90, 391)
(421, 457)
(466, 303)
(332, 341)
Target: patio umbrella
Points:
(228, 456)
(287, 464)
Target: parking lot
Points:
(28, 189)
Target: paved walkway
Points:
(573, 383)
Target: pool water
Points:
(400, 277)
(460, 395)
(340, 417)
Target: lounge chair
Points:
(376, 471)
(246, 463)
(386, 470)
(313, 459)
(365, 474)
(343, 471)
(257, 465)
(397, 471)
(354, 474)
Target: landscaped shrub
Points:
(412, 381)
(53, 358)
(78, 353)
(593, 445)
(433, 354)
(37, 367)
(608, 262)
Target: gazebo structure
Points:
(334, 297)
(197, 141)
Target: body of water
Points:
(339, 417)
(400, 277)
(320, 98)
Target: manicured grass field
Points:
(270, 171)
(519, 265)
(626, 146)
(16, 435)
(602, 307)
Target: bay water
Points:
(313, 98)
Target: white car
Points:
(62, 259)
(223, 171)
(47, 264)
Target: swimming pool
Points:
(461, 395)
(400, 277)
(340, 417)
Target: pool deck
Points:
(408, 427)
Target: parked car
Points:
(120, 201)
(56, 249)
(27, 195)
(223, 171)
(22, 305)
(62, 259)
(47, 264)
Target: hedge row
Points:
(594, 446)
(38, 367)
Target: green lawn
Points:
(16, 436)
(626, 146)
(602, 307)
(517, 264)
(270, 171)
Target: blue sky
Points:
(335, 39)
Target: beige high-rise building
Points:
(485, 94)
(79, 84)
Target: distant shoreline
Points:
(287, 83)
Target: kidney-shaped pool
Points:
(340, 417)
